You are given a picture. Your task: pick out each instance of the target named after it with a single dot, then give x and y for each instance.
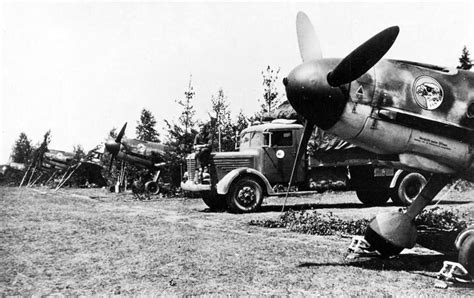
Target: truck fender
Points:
(224, 184)
(395, 178)
(463, 235)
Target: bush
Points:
(314, 223)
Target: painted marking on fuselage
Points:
(431, 142)
(427, 92)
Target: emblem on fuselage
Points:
(427, 92)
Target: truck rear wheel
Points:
(466, 254)
(214, 201)
(245, 195)
(408, 186)
(373, 197)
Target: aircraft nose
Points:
(112, 146)
(311, 96)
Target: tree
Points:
(79, 152)
(464, 60)
(270, 93)
(221, 130)
(180, 137)
(22, 149)
(146, 127)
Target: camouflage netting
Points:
(320, 140)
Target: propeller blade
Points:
(363, 58)
(111, 162)
(308, 129)
(310, 48)
(121, 133)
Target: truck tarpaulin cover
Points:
(320, 140)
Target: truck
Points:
(240, 180)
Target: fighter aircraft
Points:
(143, 154)
(52, 164)
(415, 116)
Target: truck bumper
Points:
(191, 186)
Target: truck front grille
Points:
(225, 165)
(191, 167)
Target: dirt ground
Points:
(89, 241)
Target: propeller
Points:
(310, 48)
(363, 58)
(114, 146)
(309, 86)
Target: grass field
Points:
(88, 241)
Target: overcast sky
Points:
(81, 68)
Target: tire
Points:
(245, 196)
(152, 188)
(373, 197)
(408, 186)
(466, 254)
(214, 201)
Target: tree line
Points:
(220, 127)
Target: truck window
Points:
(282, 138)
(251, 140)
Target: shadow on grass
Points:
(404, 262)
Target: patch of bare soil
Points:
(88, 241)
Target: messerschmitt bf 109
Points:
(143, 154)
(415, 116)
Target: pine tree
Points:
(180, 137)
(22, 150)
(222, 131)
(464, 60)
(146, 127)
(270, 93)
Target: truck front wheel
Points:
(373, 197)
(408, 186)
(245, 195)
(214, 201)
(466, 254)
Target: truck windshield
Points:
(251, 139)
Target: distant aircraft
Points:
(416, 116)
(51, 164)
(143, 154)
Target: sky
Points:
(81, 68)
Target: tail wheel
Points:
(406, 189)
(373, 197)
(466, 254)
(152, 187)
(245, 195)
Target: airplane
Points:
(416, 116)
(52, 162)
(143, 154)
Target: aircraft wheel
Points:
(385, 248)
(245, 195)
(214, 201)
(373, 197)
(408, 186)
(152, 187)
(466, 254)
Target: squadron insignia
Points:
(427, 92)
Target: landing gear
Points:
(390, 233)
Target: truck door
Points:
(279, 156)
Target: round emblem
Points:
(280, 154)
(141, 148)
(427, 92)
